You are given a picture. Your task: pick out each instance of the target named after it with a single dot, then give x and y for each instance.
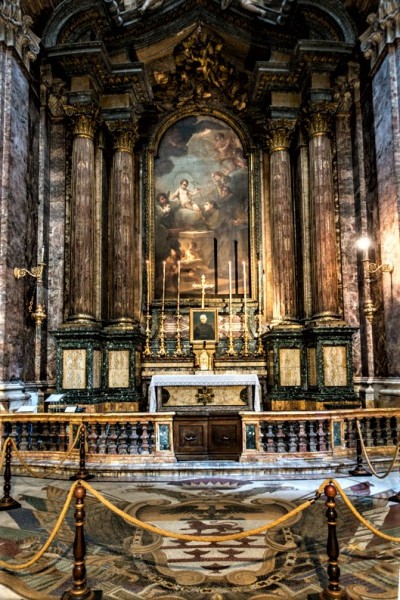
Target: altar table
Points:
(206, 380)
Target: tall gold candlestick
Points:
(260, 349)
(245, 350)
(147, 349)
(162, 351)
(178, 350)
(231, 350)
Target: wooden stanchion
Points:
(80, 590)
(83, 473)
(333, 591)
(7, 502)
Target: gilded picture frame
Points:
(203, 325)
(201, 210)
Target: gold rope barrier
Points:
(186, 537)
(55, 469)
(3, 452)
(201, 538)
(355, 512)
(38, 555)
(364, 450)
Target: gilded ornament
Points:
(280, 133)
(319, 121)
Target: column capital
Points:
(15, 31)
(84, 118)
(319, 118)
(384, 29)
(280, 133)
(125, 134)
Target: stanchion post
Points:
(7, 502)
(80, 590)
(333, 591)
(83, 473)
(359, 470)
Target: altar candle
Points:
(179, 284)
(42, 256)
(259, 285)
(230, 284)
(163, 286)
(148, 284)
(244, 284)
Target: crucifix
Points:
(204, 286)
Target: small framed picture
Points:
(203, 325)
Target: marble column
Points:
(82, 289)
(123, 245)
(323, 234)
(18, 200)
(282, 220)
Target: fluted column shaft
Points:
(284, 276)
(323, 235)
(82, 308)
(123, 222)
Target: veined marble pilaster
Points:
(82, 308)
(123, 266)
(324, 258)
(284, 276)
(380, 44)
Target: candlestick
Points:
(148, 285)
(163, 287)
(231, 350)
(244, 284)
(245, 350)
(179, 284)
(42, 256)
(260, 349)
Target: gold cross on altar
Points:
(204, 286)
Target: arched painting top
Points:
(336, 13)
(66, 13)
(201, 208)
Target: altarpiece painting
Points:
(201, 209)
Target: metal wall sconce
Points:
(39, 313)
(364, 244)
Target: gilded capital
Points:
(84, 119)
(280, 133)
(15, 31)
(319, 118)
(125, 134)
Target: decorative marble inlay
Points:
(118, 369)
(312, 366)
(335, 367)
(74, 369)
(289, 369)
(96, 369)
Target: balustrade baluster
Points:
(34, 436)
(24, 437)
(102, 441)
(150, 431)
(292, 437)
(394, 429)
(135, 439)
(15, 434)
(92, 437)
(312, 437)
(128, 431)
(143, 438)
(271, 444)
(122, 448)
(370, 432)
(321, 437)
(63, 436)
(112, 440)
(46, 436)
(280, 438)
(302, 437)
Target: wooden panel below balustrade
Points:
(207, 437)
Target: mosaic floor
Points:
(128, 563)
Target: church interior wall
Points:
(318, 71)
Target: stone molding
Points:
(384, 29)
(15, 31)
